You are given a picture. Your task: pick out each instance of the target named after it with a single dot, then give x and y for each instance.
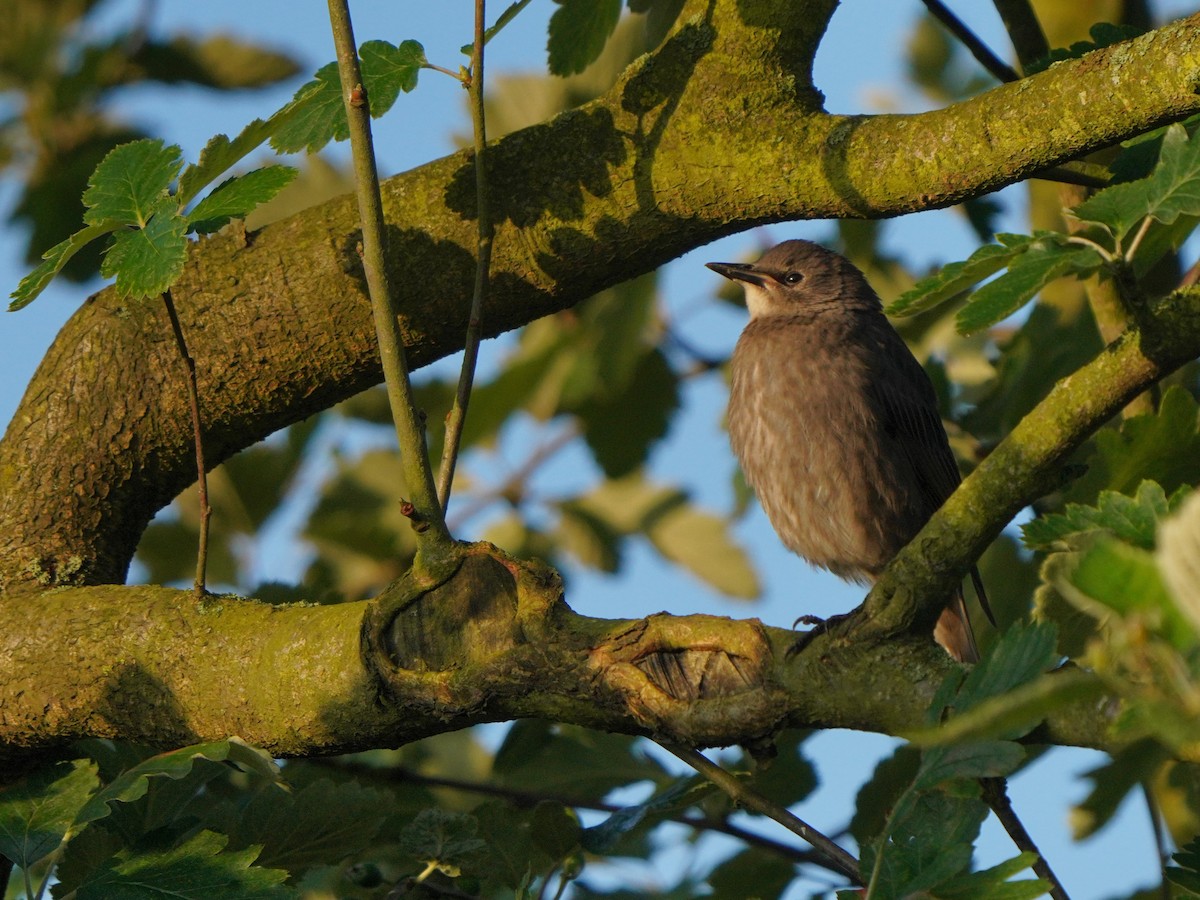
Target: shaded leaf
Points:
(444, 839)
(954, 278)
(132, 784)
(38, 812)
(236, 196)
(1129, 768)
(199, 869)
(1103, 34)
(769, 873)
(1022, 653)
(130, 183)
(993, 883)
(220, 61)
(701, 543)
(893, 776)
(579, 29)
(1027, 274)
(929, 844)
(1163, 446)
(978, 759)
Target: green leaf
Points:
(1131, 519)
(1187, 874)
(236, 196)
(1126, 579)
(147, 261)
(220, 154)
(132, 784)
(505, 17)
(316, 115)
(878, 796)
(701, 543)
(1013, 714)
(993, 883)
(930, 842)
(1027, 274)
(220, 61)
(978, 759)
(954, 278)
(196, 870)
(579, 29)
(387, 70)
(1021, 654)
(1130, 768)
(1104, 34)
(1171, 190)
(1178, 557)
(443, 839)
(38, 812)
(55, 258)
(1162, 446)
(131, 182)
(766, 870)
(295, 831)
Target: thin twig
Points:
(426, 512)
(1160, 839)
(1024, 30)
(999, 69)
(189, 367)
(530, 799)
(995, 794)
(741, 794)
(483, 261)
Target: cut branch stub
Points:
(492, 639)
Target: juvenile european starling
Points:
(835, 424)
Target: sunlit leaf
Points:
(1132, 519)
(235, 197)
(146, 261)
(55, 258)
(130, 183)
(954, 278)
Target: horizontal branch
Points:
(717, 131)
(494, 641)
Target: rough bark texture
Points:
(716, 131)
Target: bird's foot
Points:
(818, 626)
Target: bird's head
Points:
(796, 276)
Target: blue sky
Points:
(858, 69)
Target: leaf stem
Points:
(189, 366)
(462, 398)
(745, 797)
(426, 513)
(1137, 238)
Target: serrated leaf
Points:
(54, 259)
(768, 872)
(978, 759)
(132, 784)
(1028, 274)
(1163, 446)
(578, 31)
(295, 831)
(1171, 190)
(1013, 714)
(130, 183)
(877, 797)
(221, 153)
(38, 811)
(236, 196)
(993, 883)
(199, 869)
(930, 842)
(387, 70)
(1103, 34)
(146, 261)
(1023, 652)
(954, 278)
(316, 115)
(1131, 519)
(442, 839)
(701, 543)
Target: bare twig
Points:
(1024, 30)
(835, 857)
(189, 367)
(426, 512)
(998, 68)
(458, 412)
(995, 794)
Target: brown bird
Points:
(835, 424)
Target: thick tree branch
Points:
(717, 131)
(492, 642)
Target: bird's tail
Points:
(953, 631)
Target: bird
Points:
(835, 423)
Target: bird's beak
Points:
(738, 272)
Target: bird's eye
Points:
(793, 278)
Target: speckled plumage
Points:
(835, 424)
